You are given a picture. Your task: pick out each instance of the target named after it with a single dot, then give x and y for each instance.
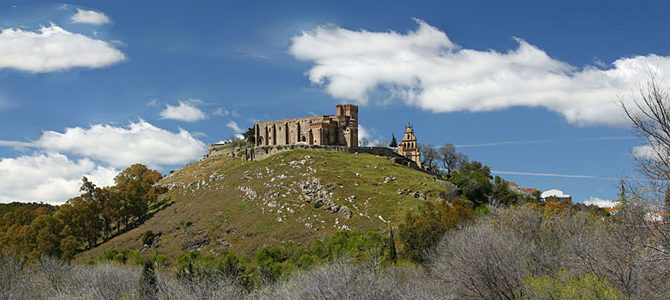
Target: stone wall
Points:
(338, 130)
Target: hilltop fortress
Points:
(338, 130)
(327, 132)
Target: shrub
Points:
(147, 237)
(564, 285)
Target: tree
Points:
(137, 185)
(649, 115)
(429, 155)
(148, 282)
(394, 142)
(250, 136)
(474, 181)
(425, 227)
(451, 160)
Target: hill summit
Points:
(221, 203)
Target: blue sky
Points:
(527, 87)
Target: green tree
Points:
(394, 142)
(504, 193)
(68, 247)
(474, 182)
(137, 186)
(250, 136)
(81, 220)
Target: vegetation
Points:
(394, 142)
(529, 251)
(35, 230)
(241, 207)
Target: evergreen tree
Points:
(394, 142)
(393, 256)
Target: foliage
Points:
(147, 237)
(37, 229)
(474, 182)
(505, 194)
(394, 141)
(136, 185)
(250, 136)
(423, 229)
(564, 285)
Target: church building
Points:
(409, 147)
(338, 130)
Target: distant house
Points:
(556, 195)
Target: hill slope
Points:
(220, 203)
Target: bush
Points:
(147, 237)
(563, 285)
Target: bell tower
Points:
(409, 147)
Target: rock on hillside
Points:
(221, 204)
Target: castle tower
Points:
(347, 119)
(409, 147)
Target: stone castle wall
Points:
(338, 130)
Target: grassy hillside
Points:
(220, 203)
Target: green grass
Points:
(219, 210)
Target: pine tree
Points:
(394, 142)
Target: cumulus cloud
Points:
(600, 202)
(48, 177)
(53, 49)
(121, 147)
(424, 68)
(89, 17)
(233, 125)
(185, 111)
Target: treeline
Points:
(530, 251)
(37, 230)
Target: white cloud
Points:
(48, 177)
(89, 17)
(424, 68)
(369, 137)
(121, 147)
(54, 49)
(600, 202)
(186, 111)
(649, 152)
(233, 125)
(224, 112)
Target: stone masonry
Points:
(338, 130)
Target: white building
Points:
(555, 193)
